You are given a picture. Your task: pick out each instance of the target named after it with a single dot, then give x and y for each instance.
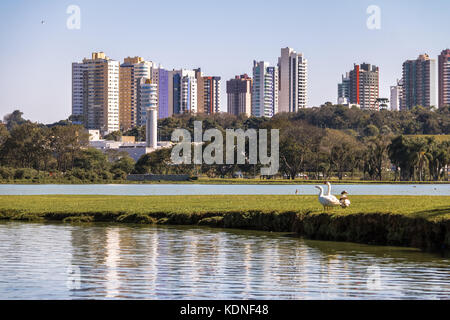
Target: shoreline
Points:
(224, 182)
(418, 222)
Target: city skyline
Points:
(46, 51)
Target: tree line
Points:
(317, 143)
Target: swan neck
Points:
(321, 192)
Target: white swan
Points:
(327, 201)
(329, 188)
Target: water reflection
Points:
(137, 262)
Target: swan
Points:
(327, 201)
(329, 188)
(345, 202)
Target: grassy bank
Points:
(216, 181)
(422, 222)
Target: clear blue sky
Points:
(221, 37)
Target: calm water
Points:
(190, 189)
(57, 261)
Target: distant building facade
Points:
(78, 91)
(344, 90)
(208, 93)
(419, 82)
(160, 77)
(131, 72)
(364, 86)
(397, 96)
(293, 81)
(239, 95)
(96, 80)
(182, 91)
(444, 78)
(265, 90)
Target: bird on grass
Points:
(327, 201)
(345, 202)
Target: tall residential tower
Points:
(265, 90)
(293, 81)
(99, 90)
(239, 92)
(364, 86)
(208, 93)
(419, 82)
(131, 72)
(444, 78)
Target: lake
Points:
(194, 189)
(105, 261)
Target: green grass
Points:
(429, 207)
(415, 221)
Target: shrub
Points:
(6, 173)
(25, 173)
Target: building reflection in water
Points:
(200, 263)
(112, 260)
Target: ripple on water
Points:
(57, 261)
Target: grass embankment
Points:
(422, 222)
(217, 181)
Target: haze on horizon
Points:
(223, 38)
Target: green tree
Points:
(13, 119)
(114, 136)
(66, 143)
(91, 160)
(27, 146)
(157, 162)
(376, 156)
(125, 164)
(371, 131)
(341, 150)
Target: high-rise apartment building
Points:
(208, 93)
(160, 76)
(344, 90)
(293, 81)
(265, 90)
(419, 82)
(211, 94)
(127, 98)
(397, 96)
(100, 91)
(239, 94)
(77, 91)
(444, 78)
(364, 86)
(200, 91)
(131, 72)
(182, 91)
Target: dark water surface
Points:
(110, 261)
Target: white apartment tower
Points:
(396, 96)
(265, 90)
(293, 81)
(100, 90)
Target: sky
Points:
(221, 37)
